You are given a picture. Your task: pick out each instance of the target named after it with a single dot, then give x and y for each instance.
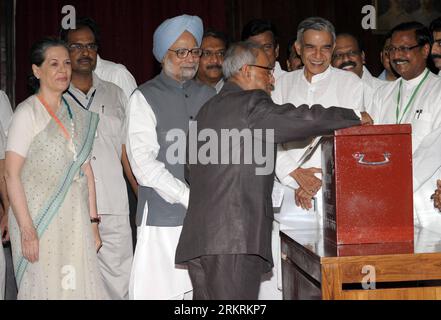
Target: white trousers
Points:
(116, 255)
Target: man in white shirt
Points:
(415, 98)
(435, 29)
(117, 74)
(264, 34)
(88, 91)
(214, 45)
(317, 83)
(349, 56)
(159, 107)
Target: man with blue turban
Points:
(167, 102)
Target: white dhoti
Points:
(154, 274)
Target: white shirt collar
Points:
(318, 77)
(415, 81)
(366, 76)
(98, 62)
(278, 71)
(97, 82)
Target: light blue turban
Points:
(171, 29)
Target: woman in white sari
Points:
(53, 223)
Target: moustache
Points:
(347, 64)
(214, 66)
(436, 56)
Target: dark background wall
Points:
(127, 26)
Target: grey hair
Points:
(238, 55)
(315, 23)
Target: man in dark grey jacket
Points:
(226, 236)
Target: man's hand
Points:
(437, 196)
(309, 185)
(307, 180)
(366, 119)
(4, 234)
(303, 199)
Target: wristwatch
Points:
(95, 220)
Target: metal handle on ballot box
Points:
(360, 157)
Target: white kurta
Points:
(154, 264)
(278, 71)
(117, 74)
(371, 85)
(424, 113)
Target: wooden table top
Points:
(312, 240)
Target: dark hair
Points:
(422, 33)
(38, 55)
(257, 26)
(217, 35)
(83, 22)
(435, 25)
(347, 34)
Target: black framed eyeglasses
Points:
(81, 47)
(183, 53)
(403, 49)
(270, 70)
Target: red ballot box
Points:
(367, 185)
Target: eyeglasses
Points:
(349, 54)
(270, 70)
(183, 53)
(403, 49)
(209, 53)
(81, 47)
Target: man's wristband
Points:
(95, 220)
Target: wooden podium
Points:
(316, 268)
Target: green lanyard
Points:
(397, 113)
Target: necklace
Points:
(69, 137)
(397, 112)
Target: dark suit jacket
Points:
(230, 209)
